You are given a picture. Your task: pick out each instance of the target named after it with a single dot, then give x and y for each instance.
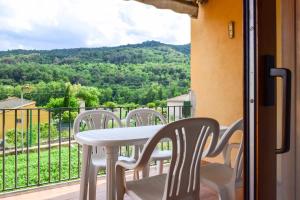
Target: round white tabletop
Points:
(120, 136)
(117, 136)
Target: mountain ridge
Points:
(148, 43)
(149, 51)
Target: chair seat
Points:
(150, 188)
(101, 162)
(216, 173)
(161, 155)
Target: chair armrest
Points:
(143, 160)
(126, 165)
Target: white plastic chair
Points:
(182, 182)
(146, 117)
(97, 119)
(223, 177)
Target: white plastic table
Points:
(111, 139)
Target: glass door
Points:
(268, 97)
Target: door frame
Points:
(288, 60)
(249, 96)
(297, 91)
(289, 55)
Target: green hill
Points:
(150, 51)
(122, 69)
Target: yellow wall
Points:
(10, 118)
(217, 61)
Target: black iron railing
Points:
(38, 146)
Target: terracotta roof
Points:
(181, 98)
(14, 102)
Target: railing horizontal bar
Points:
(76, 108)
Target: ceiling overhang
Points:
(189, 7)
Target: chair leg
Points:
(223, 194)
(231, 193)
(136, 175)
(93, 182)
(85, 167)
(160, 165)
(120, 182)
(146, 170)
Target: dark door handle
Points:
(285, 74)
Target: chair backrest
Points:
(144, 117)
(96, 119)
(224, 146)
(188, 137)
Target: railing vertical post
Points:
(3, 150)
(113, 122)
(174, 113)
(30, 123)
(78, 154)
(39, 162)
(59, 146)
(127, 147)
(16, 151)
(120, 113)
(49, 145)
(180, 112)
(69, 143)
(27, 147)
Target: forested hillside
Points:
(139, 73)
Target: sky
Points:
(57, 24)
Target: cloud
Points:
(48, 24)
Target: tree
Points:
(59, 103)
(90, 95)
(67, 96)
(139, 73)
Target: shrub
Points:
(151, 105)
(69, 116)
(44, 135)
(110, 104)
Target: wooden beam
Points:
(180, 6)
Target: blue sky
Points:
(51, 24)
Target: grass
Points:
(59, 168)
(63, 166)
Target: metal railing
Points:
(38, 146)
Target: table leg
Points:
(85, 167)
(111, 159)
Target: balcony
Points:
(38, 150)
(70, 190)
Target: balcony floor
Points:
(70, 191)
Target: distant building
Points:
(176, 105)
(179, 100)
(16, 118)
